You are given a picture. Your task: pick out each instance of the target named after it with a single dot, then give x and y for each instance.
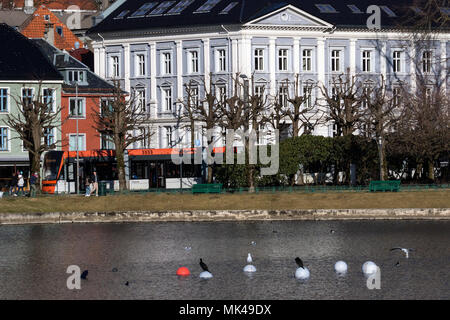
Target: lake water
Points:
(34, 259)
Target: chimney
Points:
(28, 7)
(49, 33)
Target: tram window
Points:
(173, 170)
(71, 175)
(139, 170)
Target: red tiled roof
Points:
(34, 27)
(53, 4)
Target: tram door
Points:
(156, 174)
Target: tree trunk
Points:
(383, 164)
(430, 170)
(35, 165)
(121, 168)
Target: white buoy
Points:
(249, 268)
(340, 267)
(206, 275)
(369, 267)
(249, 258)
(302, 273)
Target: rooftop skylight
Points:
(388, 11)
(207, 6)
(354, 8)
(143, 9)
(161, 8)
(122, 14)
(228, 8)
(180, 6)
(326, 8)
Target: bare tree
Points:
(119, 120)
(203, 112)
(36, 118)
(383, 112)
(246, 109)
(343, 102)
(301, 110)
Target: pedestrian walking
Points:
(88, 187)
(95, 183)
(20, 183)
(33, 181)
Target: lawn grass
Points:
(187, 201)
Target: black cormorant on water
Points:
(203, 265)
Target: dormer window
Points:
(46, 17)
(59, 30)
(75, 76)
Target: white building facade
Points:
(155, 57)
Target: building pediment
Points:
(290, 16)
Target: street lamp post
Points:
(77, 146)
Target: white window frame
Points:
(112, 66)
(306, 58)
(367, 65)
(399, 59)
(258, 59)
(431, 59)
(102, 138)
(221, 61)
(145, 143)
(83, 116)
(341, 59)
(283, 102)
(194, 62)
(164, 99)
(83, 137)
(166, 64)
(54, 137)
(141, 94)
(168, 136)
(80, 74)
(8, 100)
(395, 96)
(308, 87)
(285, 59)
(140, 67)
(26, 88)
(8, 139)
(221, 91)
(53, 98)
(260, 89)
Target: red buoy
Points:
(183, 271)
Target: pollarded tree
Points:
(204, 112)
(35, 123)
(383, 112)
(246, 109)
(299, 106)
(343, 102)
(119, 120)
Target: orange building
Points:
(45, 24)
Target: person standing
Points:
(33, 180)
(88, 187)
(13, 186)
(20, 184)
(95, 183)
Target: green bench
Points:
(391, 185)
(207, 188)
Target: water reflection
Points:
(34, 259)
